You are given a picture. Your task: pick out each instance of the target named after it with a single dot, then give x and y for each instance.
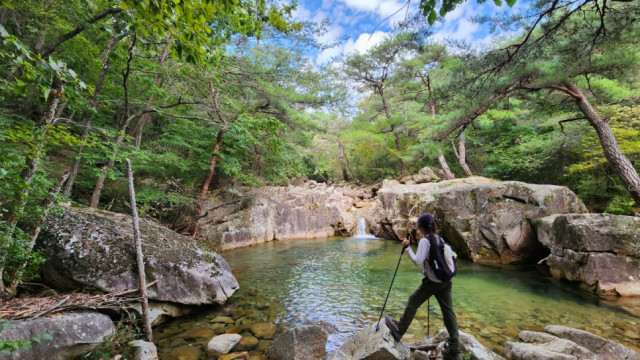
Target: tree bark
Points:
(212, 168)
(216, 151)
(620, 163)
(142, 280)
(445, 167)
(461, 154)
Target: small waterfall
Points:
(362, 230)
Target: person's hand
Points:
(405, 242)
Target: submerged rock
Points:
(143, 350)
(94, 249)
(565, 343)
(304, 342)
(223, 344)
(601, 251)
(71, 334)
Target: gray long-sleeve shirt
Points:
(420, 257)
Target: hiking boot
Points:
(393, 327)
(451, 354)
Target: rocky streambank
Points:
(94, 251)
(490, 222)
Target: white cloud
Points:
(458, 25)
(365, 42)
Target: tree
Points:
(593, 41)
(373, 70)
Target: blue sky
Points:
(356, 21)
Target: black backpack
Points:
(442, 260)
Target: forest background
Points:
(207, 95)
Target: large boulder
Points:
(71, 334)
(565, 343)
(370, 344)
(492, 223)
(304, 342)
(403, 203)
(600, 251)
(248, 216)
(94, 249)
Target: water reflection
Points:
(344, 281)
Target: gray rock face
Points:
(491, 223)
(253, 216)
(144, 350)
(95, 249)
(601, 251)
(73, 334)
(403, 203)
(564, 343)
(304, 342)
(371, 345)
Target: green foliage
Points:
(127, 330)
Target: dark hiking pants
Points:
(442, 292)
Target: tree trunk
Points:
(427, 82)
(97, 190)
(87, 123)
(345, 174)
(145, 118)
(620, 163)
(27, 175)
(346, 159)
(33, 162)
(212, 169)
(461, 155)
(445, 167)
(35, 231)
(257, 168)
(142, 280)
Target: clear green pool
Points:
(344, 282)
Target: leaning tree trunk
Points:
(620, 163)
(212, 168)
(32, 164)
(461, 154)
(445, 167)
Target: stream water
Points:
(344, 282)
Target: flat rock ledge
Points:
(71, 334)
(565, 343)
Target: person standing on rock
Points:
(430, 285)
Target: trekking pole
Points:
(389, 292)
(428, 321)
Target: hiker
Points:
(430, 285)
